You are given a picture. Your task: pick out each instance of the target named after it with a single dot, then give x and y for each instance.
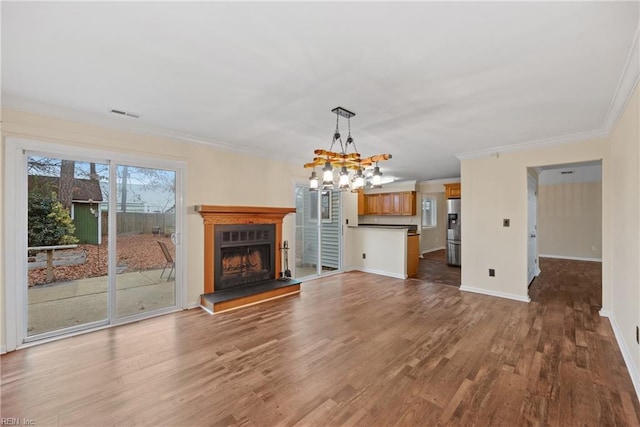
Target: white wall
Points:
(253, 182)
(385, 249)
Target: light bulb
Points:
(313, 181)
(376, 179)
(358, 180)
(327, 174)
(344, 178)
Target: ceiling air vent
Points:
(566, 172)
(125, 113)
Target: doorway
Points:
(532, 228)
(92, 228)
(569, 212)
(318, 245)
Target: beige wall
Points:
(625, 229)
(434, 238)
(496, 188)
(570, 220)
(213, 177)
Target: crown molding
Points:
(629, 80)
(127, 124)
(626, 85)
(546, 142)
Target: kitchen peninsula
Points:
(390, 250)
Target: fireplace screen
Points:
(244, 255)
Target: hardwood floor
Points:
(351, 349)
(433, 268)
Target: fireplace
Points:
(244, 254)
(242, 259)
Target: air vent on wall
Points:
(566, 172)
(125, 113)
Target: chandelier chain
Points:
(349, 164)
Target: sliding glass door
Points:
(145, 239)
(318, 245)
(84, 266)
(67, 253)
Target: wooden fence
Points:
(141, 222)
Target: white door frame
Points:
(15, 193)
(305, 183)
(532, 217)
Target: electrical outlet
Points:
(593, 248)
(492, 272)
(364, 256)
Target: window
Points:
(429, 212)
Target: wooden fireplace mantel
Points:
(213, 215)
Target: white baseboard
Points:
(433, 250)
(626, 354)
(383, 273)
(495, 293)
(192, 305)
(573, 258)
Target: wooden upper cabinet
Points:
(401, 203)
(386, 204)
(362, 203)
(397, 201)
(452, 191)
(372, 204)
(408, 203)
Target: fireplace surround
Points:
(248, 267)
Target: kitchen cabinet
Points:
(408, 203)
(413, 254)
(398, 203)
(386, 204)
(362, 203)
(373, 207)
(452, 191)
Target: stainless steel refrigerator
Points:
(454, 235)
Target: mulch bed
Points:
(136, 252)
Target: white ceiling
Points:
(426, 80)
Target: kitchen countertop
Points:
(411, 228)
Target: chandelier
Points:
(348, 162)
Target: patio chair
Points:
(169, 259)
